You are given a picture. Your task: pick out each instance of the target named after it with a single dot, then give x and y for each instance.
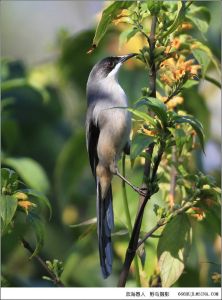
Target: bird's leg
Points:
(135, 188)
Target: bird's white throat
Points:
(114, 72)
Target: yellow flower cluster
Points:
(149, 132)
(176, 100)
(198, 213)
(186, 26)
(24, 202)
(175, 44)
(172, 70)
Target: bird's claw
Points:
(142, 191)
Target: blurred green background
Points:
(46, 66)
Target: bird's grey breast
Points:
(108, 96)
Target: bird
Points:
(108, 127)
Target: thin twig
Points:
(212, 80)
(173, 94)
(54, 278)
(164, 221)
(135, 188)
(149, 234)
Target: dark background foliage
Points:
(43, 119)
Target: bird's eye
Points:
(111, 64)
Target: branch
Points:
(131, 250)
(173, 178)
(54, 278)
(174, 93)
(136, 189)
(152, 73)
(128, 219)
(149, 234)
(212, 80)
(164, 221)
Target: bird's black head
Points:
(109, 66)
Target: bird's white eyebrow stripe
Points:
(115, 70)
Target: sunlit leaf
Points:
(30, 171)
(157, 106)
(142, 115)
(120, 232)
(8, 209)
(173, 249)
(13, 84)
(109, 14)
(85, 223)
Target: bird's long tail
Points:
(105, 224)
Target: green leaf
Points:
(173, 248)
(197, 126)
(154, 7)
(180, 139)
(38, 227)
(40, 197)
(213, 216)
(109, 14)
(178, 20)
(30, 171)
(139, 143)
(13, 84)
(144, 116)
(190, 83)
(203, 59)
(8, 209)
(9, 180)
(204, 56)
(200, 17)
(157, 106)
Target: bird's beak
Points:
(126, 57)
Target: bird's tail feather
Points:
(105, 225)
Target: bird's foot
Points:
(140, 191)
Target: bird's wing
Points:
(92, 136)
